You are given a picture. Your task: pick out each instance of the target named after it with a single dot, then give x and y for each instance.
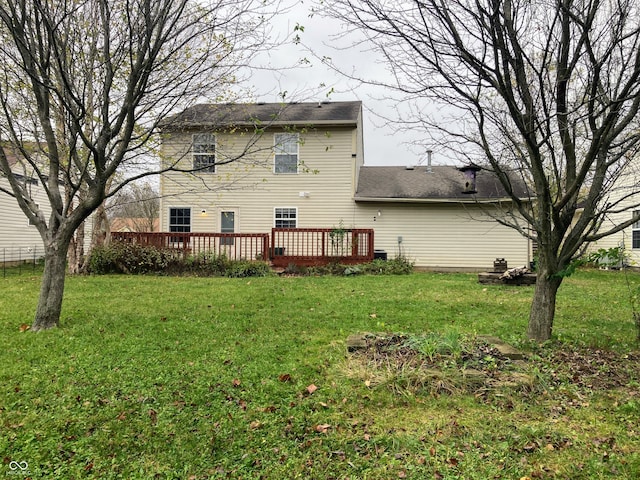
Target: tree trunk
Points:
(52, 288)
(543, 307)
(76, 251)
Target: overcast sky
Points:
(316, 82)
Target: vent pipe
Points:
(470, 172)
(429, 169)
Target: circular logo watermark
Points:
(18, 468)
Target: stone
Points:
(357, 342)
(504, 348)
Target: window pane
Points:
(286, 152)
(227, 225)
(204, 152)
(286, 218)
(286, 164)
(179, 219)
(227, 222)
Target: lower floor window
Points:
(635, 232)
(286, 217)
(179, 221)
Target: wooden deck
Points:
(320, 246)
(282, 247)
(235, 246)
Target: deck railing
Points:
(285, 246)
(318, 246)
(235, 246)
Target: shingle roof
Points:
(441, 183)
(239, 114)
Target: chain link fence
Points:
(16, 260)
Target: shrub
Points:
(245, 268)
(399, 265)
(121, 257)
(102, 260)
(615, 257)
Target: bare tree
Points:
(548, 88)
(83, 87)
(139, 204)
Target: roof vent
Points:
(470, 172)
(409, 167)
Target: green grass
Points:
(192, 378)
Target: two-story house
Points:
(249, 167)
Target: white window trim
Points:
(275, 209)
(195, 154)
(275, 152)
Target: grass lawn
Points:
(192, 378)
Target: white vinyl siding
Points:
(321, 194)
(19, 240)
(250, 184)
(286, 152)
(443, 236)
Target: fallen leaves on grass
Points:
(322, 428)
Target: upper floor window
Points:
(635, 232)
(204, 152)
(286, 152)
(286, 217)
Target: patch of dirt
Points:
(487, 367)
(590, 368)
(398, 349)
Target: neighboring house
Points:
(302, 165)
(19, 240)
(139, 224)
(624, 204)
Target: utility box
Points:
(379, 254)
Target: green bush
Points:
(245, 268)
(615, 257)
(396, 266)
(102, 260)
(121, 257)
